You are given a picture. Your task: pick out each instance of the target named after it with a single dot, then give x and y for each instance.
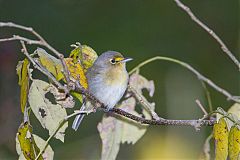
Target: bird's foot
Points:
(106, 109)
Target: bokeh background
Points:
(139, 29)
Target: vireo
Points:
(107, 81)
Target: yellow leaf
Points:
(23, 74)
(220, 134)
(76, 71)
(85, 54)
(26, 141)
(51, 63)
(234, 143)
(82, 57)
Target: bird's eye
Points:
(113, 61)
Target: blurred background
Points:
(138, 29)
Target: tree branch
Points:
(199, 75)
(211, 32)
(78, 88)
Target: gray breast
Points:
(109, 95)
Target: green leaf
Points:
(25, 143)
(23, 80)
(234, 143)
(114, 131)
(220, 134)
(48, 114)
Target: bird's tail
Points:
(77, 121)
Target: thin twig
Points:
(199, 75)
(41, 42)
(202, 108)
(118, 111)
(41, 68)
(144, 103)
(57, 129)
(78, 88)
(208, 96)
(29, 29)
(16, 37)
(211, 32)
(81, 90)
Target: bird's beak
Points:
(126, 59)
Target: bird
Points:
(107, 81)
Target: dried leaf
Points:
(235, 109)
(23, 72)
(205, 155)
(131, 130)
(220, 134)
(139, 83)
(48, 114)
(60, 97)
(219, 116)
(234, 143)
(85, 54)
(114, 131)
(25, 143)
(51, 63)
(110, 133)
(48, 153)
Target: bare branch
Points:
(194, 123)
(41, 42)
(201, 107)
(29, 29)
(80, 89)
(144, 103)
(211, 32)
(190, 68)
(39, 67)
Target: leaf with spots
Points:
(48, 114)
(80, 59)
(234, 143)
(220, 134)
(83, 54)
(25, 143)
(23, 81)
(76, 72)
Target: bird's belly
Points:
(109, 95)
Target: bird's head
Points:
(112, 60)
